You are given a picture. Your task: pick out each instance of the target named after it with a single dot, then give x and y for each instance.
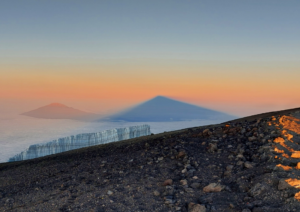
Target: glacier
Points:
(80, 141)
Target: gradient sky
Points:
(241, 57)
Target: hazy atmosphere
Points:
(104, 57)
(235, 58)
(240, 57)
(158, 105)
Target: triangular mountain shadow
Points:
(60, 111)
(160, 109)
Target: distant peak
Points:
(57, 104)
(160, 97)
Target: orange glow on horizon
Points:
(219, 85)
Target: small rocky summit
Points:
(250, 164)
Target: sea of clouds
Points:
(18, 132)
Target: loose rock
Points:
(168, 182)
(283, 185)
(248, 165)
(196, 207)
(213, 187)
(156, 193)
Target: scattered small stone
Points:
(188, 190)
(283, 185)
(156, 193)
(169, 201)
(227, 188)
(229, 167)
(192, 207)
(213, 187)
(206, 132)
(248, 165)
(227, 173)
(257, 189)
(178, 208)
(253, 138)
(169, 191)
(212, 147)
(240, 156)
(183, 182)
(240, 163)
(109, 192)
(230, 157)
(181, 154)
(168, 182)
(195, 185)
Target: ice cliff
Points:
(81, 140)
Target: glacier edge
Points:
(80, 141)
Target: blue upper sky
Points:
(212, 30)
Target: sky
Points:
(240, 57)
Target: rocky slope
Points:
(248, 165)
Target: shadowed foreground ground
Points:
(249, 164)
